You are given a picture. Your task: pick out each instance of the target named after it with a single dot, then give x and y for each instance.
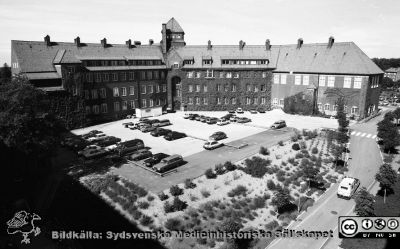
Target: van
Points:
(163, 122)
(348, 187)
(278, 124)
(130, 146)
(168, 163)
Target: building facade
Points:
(116, 80)
(393, 73)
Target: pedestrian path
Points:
(363, 134)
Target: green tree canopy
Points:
(388, 132)
(386, 176)
(364, 203)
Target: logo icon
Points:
(349, 227)
(392, 224)
(23, 222)
(367, 224)
(380, 224)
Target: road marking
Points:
(363, 135)
(374, 136)
(358, 133)
(353, 133)
(369, 135)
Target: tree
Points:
(342, 136)
(364, 203)
(281, 198)
(396, 115)
(388, 133)
(230, 226)
(310, 172)
(386, 177)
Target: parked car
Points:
(261, 110)
(347, 187)
(147, 128)
(243, 120)
(164, 122)
(278, 124)
(210, 145)
(231, 111)
(212, 120)
(174, 135)
(97, 137)
(87, 148)
(228, 116)
(130, 146)
(203, 119)
(75, 143)
(168, 163)
(193, 116)
(187, 115)
(218, 136)
(239, 110)
(197, 118)
(91, 134)
(126, 124)
(233, 118)
(94, 153)
(253, 111)
(108, 141)
(222, 122)
(141, 154)
(156, 158)
(159, 132)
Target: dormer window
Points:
(176, 65)
(207, 62)
(188, 62)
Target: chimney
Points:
(331, 41)
(299, 43)
(209, 46)
(47, 40)
(164, 38)
(77, 41)
(137, 43)
(128, 43)
(151, 42)
(104, 42)
(267, 45)
(241, 45)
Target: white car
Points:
(239, 110)
(222, 122)
(347, 187)
(93, 153)
(89, 147)
(97, 137)
(111, 147)
(210, 145)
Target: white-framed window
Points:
(157, 88)
(96, 109)
(297, 79)
(345, 109)
(131, 90)
(87, 109)
(103, 93)
(132, 104)
(116, 92)
(306, 80)
(357, 82)
(190, 88)
(255, 88)
(226, 101)
(115, 77)
(264, 74)
(205, 88)
(123, 91)
(320, 107)
(189, 74)
(158, 103)
(226, 88)
(233, 87)
(164, 88)
(144, 103)
(275, 101)
(255, 101)
(176, 65)
(190, 100)
(327, 107)
(124, 105)
(207, 62)
(218, 100)
(228, 75)
(131, 75)
(94, 94)
(236, 75)
(143, 89)
(198, 74)
(248, 101)
(218, 87)
(151, 103)
(233, 101)
(221, 74)
(150, 88)
(205, 101)
(123, 76)
(322, 80)
(263, 100)
(248, 87)
(276, 78)
(98, 78)
(106, 77)
(281, 102)
(103, 108)
(354, 110)
(197, 101)
(116, 106)
(283, 79)
(335, 108)
(210, 73)
(331, 81)
(347, 82)
(197, 88)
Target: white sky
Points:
(374, 25)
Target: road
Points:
(324, 214)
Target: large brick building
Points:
(117, 79)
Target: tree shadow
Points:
(288, 208)
(389, 191)
(317, 185)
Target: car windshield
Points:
(342, 187)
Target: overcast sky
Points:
(374, 25)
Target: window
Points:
(149, 75)
(263, 100)
(106, 77)
(143, 89)
(276, 78)
(248, 87)
(320, 107)
(190, 100)
(102, 93)
(198, 74)
(131, 75)
(123, 76)
(218, 87)
(151, 103)
(86, 94)
(103, 108)
(283, 79)
(322, 80)
(345, 109)
(357, 82)
(331, 81)
(281, 102)
(188, 62)
(144, 103)
(158, 102)
(176, 65)
(218, 101)
(205, 88)
(264, 74)
(221, 74)
(124, 105)
(190, 88)
(142, 75)
(207, 62)
(87, 109)
(262, 88)
(233, 88)
(156, 75)
(116, 92)
(297, 80)
(335, 108)
(116, 106)
(255, 101)
(132, 104)
(255, 88)
(210, 74)
(131, 90)
(150, 88)
(197, 88)
(164, 88)
(306, 80)
(115, 77)
(226, 101)
(248, 101)
(189, 74)
(275, 101)
(89, 77)
(229, 75)
(225, 62)
(236, 75)
(197, 101)
(327, 107)
(347, 82)
(233, 101)
(226, 88)
(354, 110)
(157, 88)
(98, 77)
(123, 91)
(205, 101)
(96, 109)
